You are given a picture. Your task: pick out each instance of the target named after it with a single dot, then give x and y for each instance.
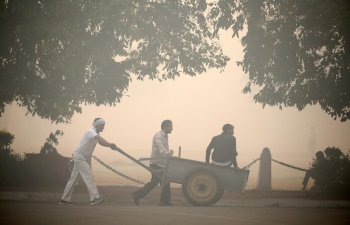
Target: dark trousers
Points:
(165, 196)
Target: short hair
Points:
(166, 123)
(227, 127)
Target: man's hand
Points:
(113, 146)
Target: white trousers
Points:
(82, 167)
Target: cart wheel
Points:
(202, 188)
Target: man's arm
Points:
(234, 147)
(234, 162)
(104, 142)
(208, 152)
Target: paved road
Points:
(31, 213)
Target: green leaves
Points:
(57, 55)
(297, 53)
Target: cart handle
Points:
(134, 160)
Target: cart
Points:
(203, 184)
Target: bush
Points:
(331, 171)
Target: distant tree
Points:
(332, 174)
(6, 139)
(51, 142)
(6, 151)
(36, 170)
(9, 160)
(56, 55)
(297, 52)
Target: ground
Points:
(277, 208)
(31, 213)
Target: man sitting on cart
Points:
(224, 146)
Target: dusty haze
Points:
(198, 107)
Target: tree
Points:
(6, 139)
(6, 152)
(9, 160)
(56, 55)
(296, 52)
(50, 143)
(332, 172)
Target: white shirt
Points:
(160, 148)
(87, 144)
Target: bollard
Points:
(179, 151)
(264, 178)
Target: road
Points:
(37, 213)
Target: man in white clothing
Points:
(82, 159)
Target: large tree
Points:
(296, 52)
(56, 55)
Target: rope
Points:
(288, 165)
(250, 164)
(117, 172)
(141, 182)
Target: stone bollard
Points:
(264, 179)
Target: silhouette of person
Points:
(160, 150)
(311, 172)
(224, 146)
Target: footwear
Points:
(97, 201)
(135, 198)
(165, 204)
(63, 202)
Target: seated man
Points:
(224, 146)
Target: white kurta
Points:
(82, 158)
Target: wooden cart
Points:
(203, 184)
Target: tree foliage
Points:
(51, 142)
(296, 52)
(32, 169)
(8, 159)
(6, 139)
(331, 173)
(58, 54)
(7, 154)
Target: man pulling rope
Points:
(82, 163)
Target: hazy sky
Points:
(198, 107)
